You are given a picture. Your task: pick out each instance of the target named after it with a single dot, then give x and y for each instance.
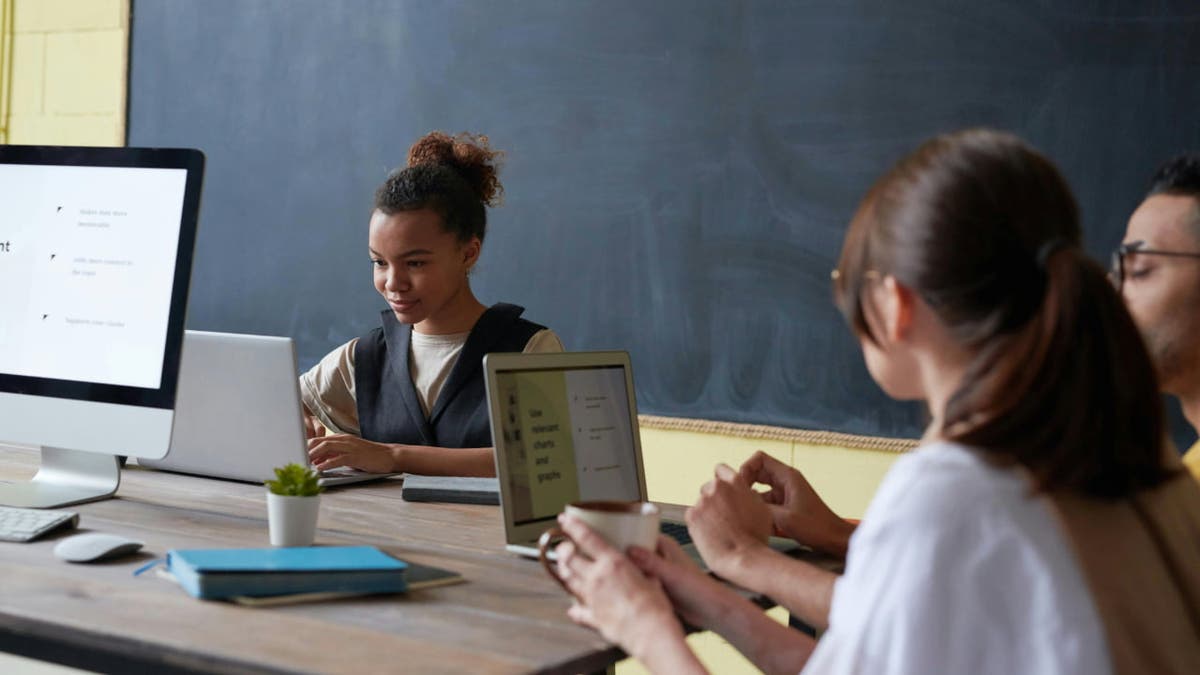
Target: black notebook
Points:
(454, 489)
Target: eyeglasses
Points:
(835, 275)
(1117, 270)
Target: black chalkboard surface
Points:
(679, 171)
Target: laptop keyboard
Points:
(676, 531)
(18, 524)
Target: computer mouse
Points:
(95, 546)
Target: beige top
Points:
(327, 389)
(1141, 559)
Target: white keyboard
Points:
(17, 524)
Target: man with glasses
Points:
(1157, 269)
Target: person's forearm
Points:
(666, 651)
(429, 461)
(834, 541)
(772, 647)
(804, 589)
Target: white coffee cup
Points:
(621, 524)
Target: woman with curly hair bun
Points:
(409, 395)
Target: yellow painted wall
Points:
(68, 72)
(679, 462)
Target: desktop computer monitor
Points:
(95, 261)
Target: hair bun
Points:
(468, 154)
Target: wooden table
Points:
(509, 616)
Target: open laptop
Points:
(237, 411)
(565, 429)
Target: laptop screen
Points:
(567, 437)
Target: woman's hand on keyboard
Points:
(337, 450)
(312, 426)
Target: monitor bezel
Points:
(191, 160)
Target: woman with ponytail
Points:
(409, 395)
(1003, 543)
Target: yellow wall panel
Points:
(679, 462)
(845, 478)
(80, 70)
(69, 69)
(104, 130)
(29, 74)
(56, 15)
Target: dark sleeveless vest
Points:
(389, 410)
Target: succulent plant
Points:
(294, 480)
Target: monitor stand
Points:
(65, 477)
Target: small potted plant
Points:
(293, 501)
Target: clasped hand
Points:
(632, 599)
(731, 522)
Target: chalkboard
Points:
(679, 172)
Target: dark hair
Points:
(452, 175)
(985, 230)
(1179, 176)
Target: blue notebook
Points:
(223, 573)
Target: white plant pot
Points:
(292, 520)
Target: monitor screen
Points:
(95, 255)
(567, 436)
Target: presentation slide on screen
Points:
(87, 263)
(570, 439)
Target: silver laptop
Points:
(237, 410)
(565, 428)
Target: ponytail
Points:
(1071, 396)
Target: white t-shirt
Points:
(957, 569)
(433, 357)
